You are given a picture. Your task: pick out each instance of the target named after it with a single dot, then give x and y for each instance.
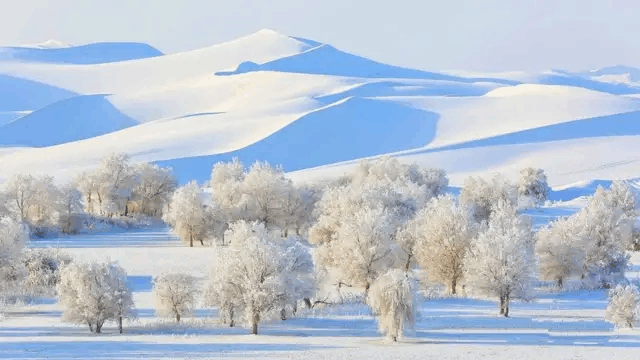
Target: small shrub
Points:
(624, 306)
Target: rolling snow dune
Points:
(18, 94)
(77, 118)
(565, 162)
(9, 116)
(592, 84)
(352, 128)
(97, 53)
(310, 107)
(162, 71)
(512, 109)
(611, 125)
(327, 60)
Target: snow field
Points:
(565, 325)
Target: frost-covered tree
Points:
(533, 184)
(175, 295)
(92, 293)
(69, 209)
(482, 195)
(227, 195)
(152, 189)
(560, 249)
(43, 269)
(363, 249)
(301, 211)
(108, 189)
(386, 168)
(266, 188)
(13, 236)
(187, 214)
(620, 196)
(393, 300)
(293, 211)
(32, 199)
(624, 306)
(444, 232)
(121, 296)
(607, 232)
(501, 262)
(19, 193)
(261, 193)
(89, 186)
(43, 210)
(258, 274)
(357, 232)
(116, 181)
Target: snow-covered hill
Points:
(56, 52)
(308, 106)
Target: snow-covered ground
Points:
(565, 325)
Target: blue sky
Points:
(481, 35)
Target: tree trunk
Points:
(90, 326)
(560, 283)
(254, 324)
(99, 327)
(177, 317)
(99, 203)
(506, 306)
(307, 302)
(120, 324)
(501, 304)
(232, 322)
(454, 282)
(202, 242)
(190, 239)
(283, 314)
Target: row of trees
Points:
(591, 243)
(260, 193)
(364, 229)
(120, 188)
(374, 231)
(115, 188)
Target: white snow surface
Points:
(307, 106)
(564, 325)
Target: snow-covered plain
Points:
(566, 325)
(304, 104)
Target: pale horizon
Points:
(495, 36)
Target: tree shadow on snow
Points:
(124, 350)
(528, 338)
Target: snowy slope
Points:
(303, 104)
(98, 53)
(77, 118)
